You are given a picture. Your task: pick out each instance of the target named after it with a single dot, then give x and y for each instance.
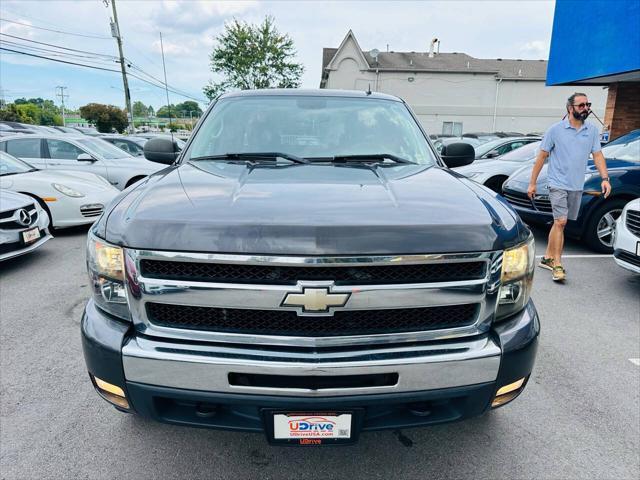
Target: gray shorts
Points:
(565, 203)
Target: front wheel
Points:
(599, 232)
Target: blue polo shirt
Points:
(569, 151)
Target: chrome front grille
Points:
(518, 200)
(311, 301)
(92, 210)
(11, 220)
(633, 221)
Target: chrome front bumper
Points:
(208, 368)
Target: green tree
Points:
(249, 56)
(163, 112)
(105, 117)
(139, 109)
(10, 113)
(183, 109)
(150, 111)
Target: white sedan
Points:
(69, 198)
(81, 154)
(626, 243)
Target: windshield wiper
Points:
(253, 156)
(365, 158)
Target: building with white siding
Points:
(454, 92)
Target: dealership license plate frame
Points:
(269, 419)
(31, 235)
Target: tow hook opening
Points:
(509, 392)
(111, 393)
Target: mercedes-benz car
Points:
(23, 224)
(626, 243)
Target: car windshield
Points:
(311, 127)
(10, 165)
(102, 148)
(628, 151)
(526, 152)
(486, 147)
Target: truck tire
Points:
(598, 234)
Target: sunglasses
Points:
(582, 105)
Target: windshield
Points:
(488, 146)
(628, 151)
(311, 127)
(526, 152)
(102, 148)
(10, 165)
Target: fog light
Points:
(111, 393)
(507, 393)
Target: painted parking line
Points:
(635, 361)
(594, 255)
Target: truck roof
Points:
(311, 92)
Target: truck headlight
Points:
(516, 279)
(105, 263)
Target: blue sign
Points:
(593, 38)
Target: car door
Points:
(63, 155)
(27, 149)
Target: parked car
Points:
(309, 254)
(441, 142)
(597, 215)
(69, 198)
(70, 130)
(148, 136)
(500, 146)
(494, 172)
(624, 139)
(626, 242)
(79, 153)
(23, 224)
(131, 144)
(92, 132)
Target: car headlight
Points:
(105, 264)
(69, 192)
(516, 279)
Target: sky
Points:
(482, 29)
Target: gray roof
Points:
(450, 63)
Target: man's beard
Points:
(581, 115)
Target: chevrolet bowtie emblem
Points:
(315, 299)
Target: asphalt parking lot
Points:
(578, 418)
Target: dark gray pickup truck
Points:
(309, 267)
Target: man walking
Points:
(567, 144)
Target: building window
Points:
(452, 128)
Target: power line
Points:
(102, 69)
(56, 31)
(59, 46)
(130, 63)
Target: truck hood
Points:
(321, 209)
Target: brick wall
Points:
(622, 113)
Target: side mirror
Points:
(458, 154)
(85, 157)
(492, 154)
(161, 150)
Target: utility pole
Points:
(115, 32)
(62, 95)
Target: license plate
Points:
(30, 236)
(311, 428)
